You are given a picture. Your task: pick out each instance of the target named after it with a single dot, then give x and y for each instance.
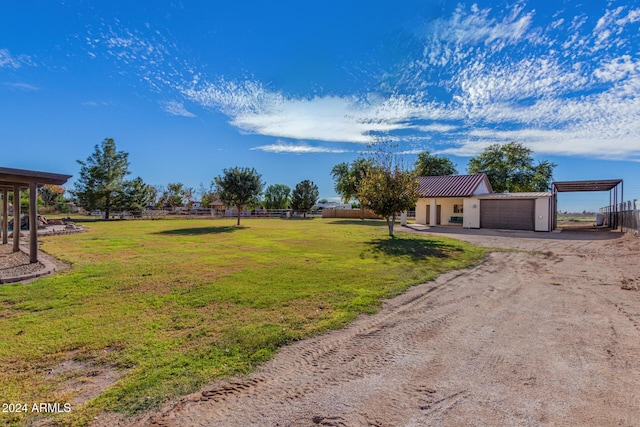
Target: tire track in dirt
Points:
(521, 339)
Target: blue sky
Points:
(293, 88)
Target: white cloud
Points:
(7, 60)
(283, 147)
(570, 87)
(255, 109)
(176, 108)
(436, 127)
(21, 86)
(96, 103)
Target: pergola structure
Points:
(613, 186)
(14, 180)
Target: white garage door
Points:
(513, 214)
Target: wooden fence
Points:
(348, 213)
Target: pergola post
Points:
(16, 218)
(5, 216)
(33, 222)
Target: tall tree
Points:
(276, 196)
(347, 179)
(388, 190)
(510, 167)
(304, 196)
(432, 165)
(239, 187)
(101, 178)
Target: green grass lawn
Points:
(166, 306)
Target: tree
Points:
(276, 196)
(304, 196)
(433, 165)
(510, 167)
(136, 195)
(239, 187)
(208, 195)
(347, 179)
(389, 190)
(189, 195)
(174, 194)
(101, 180)
(51, 195)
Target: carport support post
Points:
(33, 222)
(16, 218)
(5, 213)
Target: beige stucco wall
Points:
(471, 217)
(446, 209)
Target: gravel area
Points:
(14, 264)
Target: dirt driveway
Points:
(550, 337)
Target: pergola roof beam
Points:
(10, 176)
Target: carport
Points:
(613, 186)
(14, 180)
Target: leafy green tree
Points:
(389, 190)
(239, 187)
(51, 195)
(432, 165)
(304, 196)
(101, 180)
(347, 179)
(174, 194)
(276, 196)
(510, 167)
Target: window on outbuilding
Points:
(457, 209)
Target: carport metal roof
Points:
(615, 213)
(577, 186)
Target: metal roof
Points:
(594, 185)
(452, 185)
(526, 195)
(22, 177)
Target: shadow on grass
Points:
(374, 222)
(415, 248)
(198, 231)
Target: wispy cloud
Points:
(96, 103)
(283, 147)
(7, 60)
(254, 108)
(566, 87)
(21, 86)
(176, 108)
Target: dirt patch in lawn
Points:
(548, 334)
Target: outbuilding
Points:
(469, 201)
